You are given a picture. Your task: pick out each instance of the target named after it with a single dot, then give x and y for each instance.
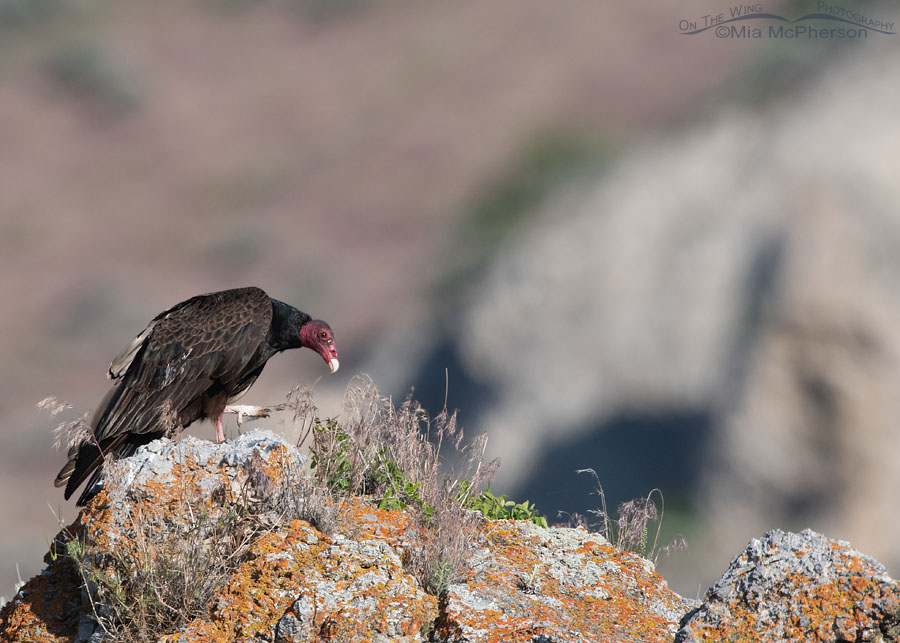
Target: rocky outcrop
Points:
(227, 514)
(797, 587)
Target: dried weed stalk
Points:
(634, 523)
(71, 432)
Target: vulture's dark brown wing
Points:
(204, 342)
(204, 335)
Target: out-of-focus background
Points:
(672, 258)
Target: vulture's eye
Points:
(323, 335)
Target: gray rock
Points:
(86, 627)
(290, 629)
(787, 586)
(157, 460)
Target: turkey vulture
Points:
(189, 362)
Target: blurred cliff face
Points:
(731, 294)
(456, 188)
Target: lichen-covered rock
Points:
(278, 579)
(166, 490)
(47, 608)
(798, 587)
(300, 585)
(528, 583)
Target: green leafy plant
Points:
(499, 508)
(392, 455)
(399, 492)
(442, 576)
(340, 468)
(332, 457)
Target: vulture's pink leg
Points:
(220, 433)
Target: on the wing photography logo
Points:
(750, 21)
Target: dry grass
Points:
(635, 522)
(71, 432)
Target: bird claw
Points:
(246, 410)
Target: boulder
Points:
(797, 587)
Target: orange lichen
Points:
(47, 608)
(363, 518)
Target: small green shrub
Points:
(332, 457)
(499, 508)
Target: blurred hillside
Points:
(716, 317)
(398, 169)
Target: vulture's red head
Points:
(317, 335)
